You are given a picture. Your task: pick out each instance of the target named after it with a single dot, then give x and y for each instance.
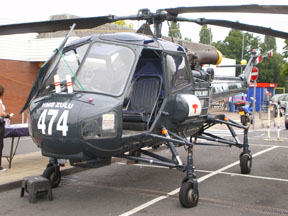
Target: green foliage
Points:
(284, 75)
(285, 52)
(205, 35)
(188, 39)
(123, 23)
(269, 70)
(284, 71)
(269, 43)
(175, 30)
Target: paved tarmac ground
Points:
(142, 189)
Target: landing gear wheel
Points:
(245, 163)
(53, 175)
(187, 196)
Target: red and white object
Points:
(57, 83)
(259, 59)
(193, 103)
(254, 74)
(69, 83)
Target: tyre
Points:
(274, 111)
(187, 196)
(243, 119)
(286, 125)
(245, 163)
(53, 175)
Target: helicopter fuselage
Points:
(103, 117)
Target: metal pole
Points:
(253, 113)
(242, 54)
(268, 123)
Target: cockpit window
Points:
(105, 69)
(177, 72)
(64, 64)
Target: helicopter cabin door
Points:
(142, 104)
(183, 104)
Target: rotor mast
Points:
(154, 18)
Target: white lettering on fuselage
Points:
(58, 105)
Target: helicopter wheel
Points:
(188, 197)
(53, 175)
(245, 163)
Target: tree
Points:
(285, 52)
(269, 43)
(175, 30)
(284, 71)
(205, 35)
(188, 39)
(270, 70)
(232, 46)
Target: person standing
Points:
(3, 115)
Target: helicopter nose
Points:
(70, 127)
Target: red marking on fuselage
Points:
(195, 106)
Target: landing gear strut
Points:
(189, 194)
(245, 156)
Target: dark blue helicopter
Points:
(114, 95)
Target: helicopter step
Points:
(189, 193)
(245, 157)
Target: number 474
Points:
(61, 124)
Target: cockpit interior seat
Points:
(142, 103)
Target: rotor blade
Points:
(253, 8)
(59, 25)
(236, 25)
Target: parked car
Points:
(286, 121)
(282, 100)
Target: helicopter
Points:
(114, 95)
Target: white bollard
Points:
(278, 123)
(69, 83)
(57, 83)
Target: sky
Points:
(35, 10)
